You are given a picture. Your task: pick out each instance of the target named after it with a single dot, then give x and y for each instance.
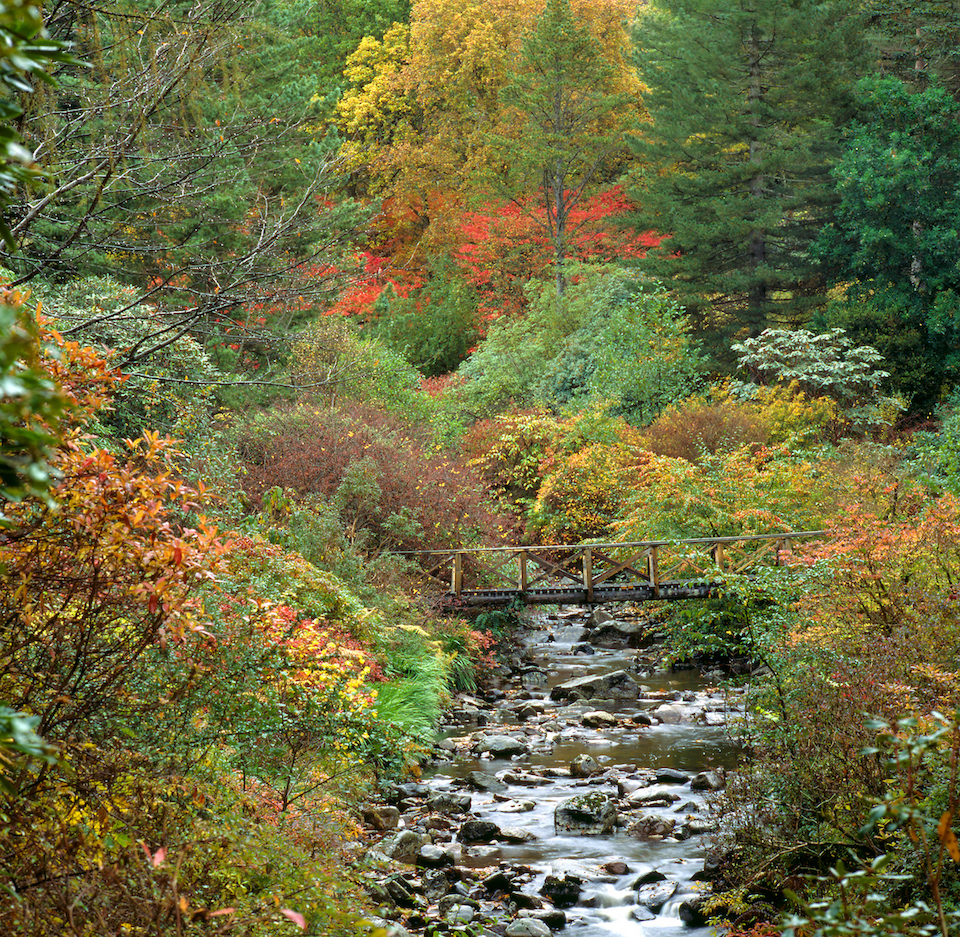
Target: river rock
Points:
(435, 884)
(530, 709)
(655, 895)
(583, 766)
(533, 678)
(433, 857)
(389, 928)
(586, 815)
(502, 746)
(587, 650)
(692, 913)
(460, 914)
(707, 781)
(669, 714)
(598, 719)
(447, 802)
(402, 846)
(480, 781)
(615, 685)
(381, 817)
(478, 831)
(621, 634)
(648, 798)
(516, 834)
(598, 616)
(642, 914)
(554, 918)
(652, 827)
(527, 927)
(517, 806)
(671, 776)
(563, 892)
(401, 893)
(455, 898)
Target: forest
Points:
(293, 289)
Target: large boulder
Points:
(502, 746)
(615, 685)
(655, 894)
(527, 927)
(563, 892)
(621, 634)
(586, 815)
(478, 831)
(402, 846)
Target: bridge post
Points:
(456, 575)
(588, 573)
(523, 571)
(653, 571)
(718, 555)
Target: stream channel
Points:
(636, 878)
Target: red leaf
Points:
(296, 917)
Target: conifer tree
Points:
(746, 100)
(568, 112)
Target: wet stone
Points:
(527, 927)
(563, 892)
(647, 798)
(381, 818)
(615, 685)
(516, 834)
(502, 746)
(707, 781)
(586, 815)
(598, 719)
(402, 846)
(652, 827)
(435, 884)
(433, 857)
(671, 776)
(584, 766)
(518, 806)
(669, 714)
(485, 782)
(554, 918)
(655, 895)
(478, 831)
(449, 803)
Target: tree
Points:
(917, 42)
(895, 239)
(565, 117)
(172, 165)
(746, 101)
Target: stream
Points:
(632, 879)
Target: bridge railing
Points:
(599, 572)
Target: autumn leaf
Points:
(296, 917)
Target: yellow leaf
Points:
(948, 837)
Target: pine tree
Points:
(569, 113)
(746, 100)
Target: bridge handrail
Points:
(789, 535)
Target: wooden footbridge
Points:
(596, 573)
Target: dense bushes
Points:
(392, 487)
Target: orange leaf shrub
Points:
(718, 422)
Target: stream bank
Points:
(573, 794)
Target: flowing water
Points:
(607, 904)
